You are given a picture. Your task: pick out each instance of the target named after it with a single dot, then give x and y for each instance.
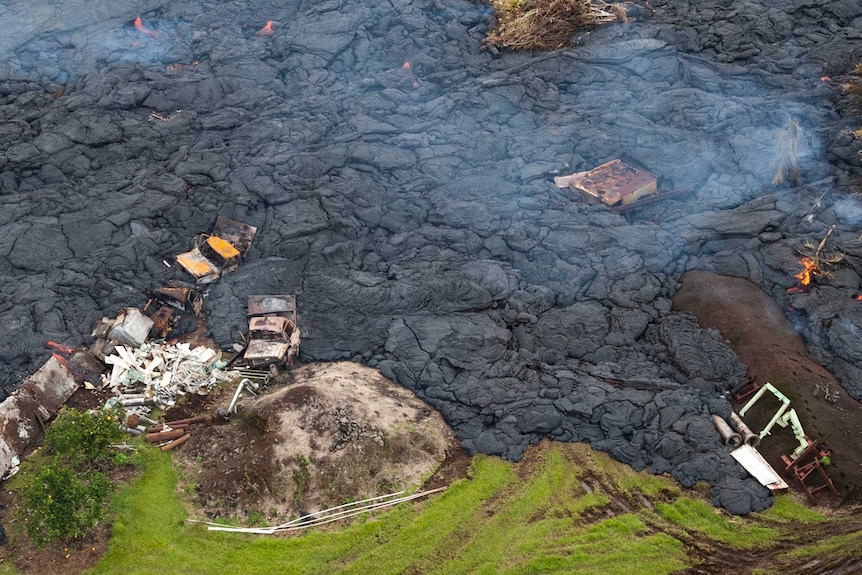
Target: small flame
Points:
(858, 298)
(266, 30)
(139, 25)
(809, 268)
(405, 66)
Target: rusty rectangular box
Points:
(238, 234)
(198, 266)
(272, 304)
(263, 352)
(614, 183)
(269, 325)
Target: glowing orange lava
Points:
(808, 269)
(64, 349)
(61, 360)
(266, 30)
(858, 298)
(139, 25)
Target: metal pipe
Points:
(176, 442)
(137, 401)
(165, 435)
(232, 407)
(729, 436)
(748, 436)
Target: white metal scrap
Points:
(161, 373)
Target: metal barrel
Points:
(729, 436)
(748, 436)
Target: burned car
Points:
(219, 252)
(273, 335)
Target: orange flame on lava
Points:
(809, 268)
(266, 30)
(139, 25)
(858, 298)
(405, 66)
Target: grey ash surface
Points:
(412, 210)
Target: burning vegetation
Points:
(547, 24)
(815, 262)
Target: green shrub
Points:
(83, 438)
(62, 504)
(65, 499)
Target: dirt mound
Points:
(338, 432)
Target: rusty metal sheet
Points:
(239, 235)
(220, 250)
(616, 182)
(271, 324)
(197, 265)
(178, 297)
(24, 413)
(163, 321)
(260, 352)
(276, 304)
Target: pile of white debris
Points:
(157, 374)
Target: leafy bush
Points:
(82, 438)
(66, 498)
(62, 504)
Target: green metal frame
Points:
(784, 416)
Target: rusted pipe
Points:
(176, 442)
(165, 436)
(181, 423)
(729, 436)
(162, 427)
(748, 436)
(195, 419)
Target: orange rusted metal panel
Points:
(615, 183)
(196, 264)
(223, 250)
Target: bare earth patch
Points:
(338, 432)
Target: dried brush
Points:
(547, 24)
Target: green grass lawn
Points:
(495, 522)
(571, 510)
